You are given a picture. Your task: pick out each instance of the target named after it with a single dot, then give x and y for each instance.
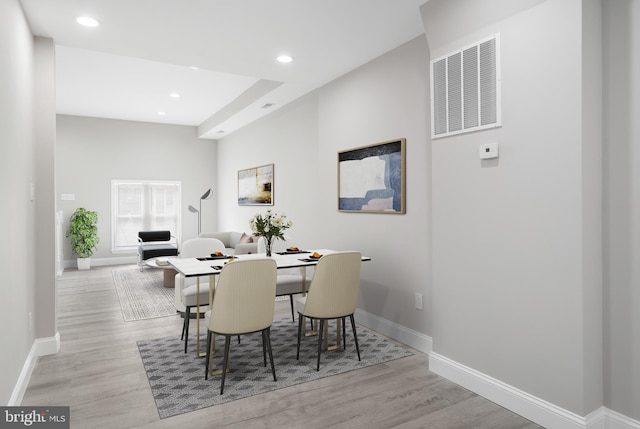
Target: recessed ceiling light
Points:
(194, 68)
(162, 113)
(87, 21)
(174, 95)
(284, 59)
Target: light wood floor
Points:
(99, 374)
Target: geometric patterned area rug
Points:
(177, 379)
(142, 294)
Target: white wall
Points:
(16, 176)
(517, 290)
(517, 241)
(91, 152)
(289, 140)
(592, 204)
(45, 221)
(622, 205)
(512, 240)
(383, 100)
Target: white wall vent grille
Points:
(465, 87)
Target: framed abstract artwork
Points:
(371, 179)
(255, 186)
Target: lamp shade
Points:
(207, 195)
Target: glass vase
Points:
(268, 241)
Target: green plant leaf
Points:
(83, 231)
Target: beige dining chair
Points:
(186, 293)
(333, 295)
(243, 303)
(289, 280)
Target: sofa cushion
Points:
(224, 236)
(232, 242)
(149, 251)
(234, 238)
(245, 248)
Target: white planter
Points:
(84, 263)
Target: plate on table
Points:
(311, 258)
(214, 257)
(293, 252)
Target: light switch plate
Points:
(489, 151)
(418, 301)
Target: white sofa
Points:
(235, 243)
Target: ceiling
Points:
(143, 50)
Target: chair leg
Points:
(344, 336)
(182, 334)
(208, 357)
(267, 333)
(300, 322)
(293, 317)
(320, 335)
(184, 316)
(355, 336)
(227, 345)
(187, 316)
(264, 348)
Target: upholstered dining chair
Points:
(333, 295)
(243, 303)
(186, 292)
(289, 280)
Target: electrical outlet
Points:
(418, 301)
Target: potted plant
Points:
(83, 230)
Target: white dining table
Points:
(211, 266)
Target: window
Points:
(140, 205)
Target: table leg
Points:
(338, 344)
(203, 354)
(314, 331)
(303, 270)
(212, 291)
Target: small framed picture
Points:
(255, 186)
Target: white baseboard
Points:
(525, 404)
(40, 347)
(615, 420)
(48, 346)
(101, 262)
(400, 333)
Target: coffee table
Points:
(169, 278)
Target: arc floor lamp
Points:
(208, 194)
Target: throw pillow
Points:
(246, 238)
